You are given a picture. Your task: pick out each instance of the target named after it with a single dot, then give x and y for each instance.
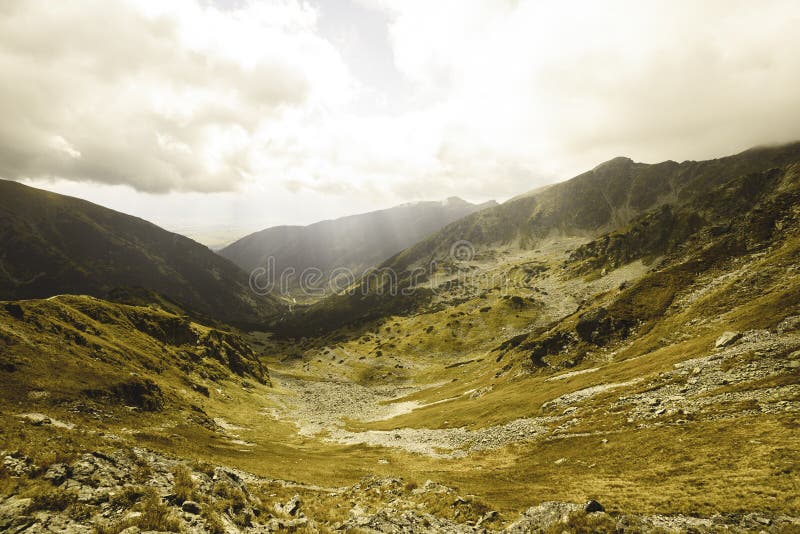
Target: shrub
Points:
(156, 515)
(183, 485)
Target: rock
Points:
(763, 520)
(18, 465)
(560, 461)
(292, 506)
(543, 517)
(37, 419)
(132, 516)
(11, 510)
(190, 507)
(593, 506)
(490, 516)
(57, 473)
(727, 339)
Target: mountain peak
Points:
(619, 161)
(451, 201)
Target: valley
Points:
(625, 366)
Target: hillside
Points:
(53, 244)
(593, 203)
(643, 376)
(355, 243)
(671, 200)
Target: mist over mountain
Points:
(354, 243)
(595, 202)
(53, 244)
(605, 200)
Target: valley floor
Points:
(420, 423)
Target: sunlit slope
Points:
(355, 243)
(636, 209)
(90, 356)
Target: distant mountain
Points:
(357, 242)
(632, 210)
(53, 244)
(601, 200)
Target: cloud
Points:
(159, 96)
(497, 96)
(506, 96)
(552, 88)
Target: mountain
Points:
(602, 201)
(593, 203)
(629, 340)
(356, 242)
(53, 244)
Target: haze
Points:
(219, 118)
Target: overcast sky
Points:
(219, 117)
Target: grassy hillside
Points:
(54, 244)
(654, 368)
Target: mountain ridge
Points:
(354, 242)
(58, 244)
(594, 203)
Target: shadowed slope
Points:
(55, 244)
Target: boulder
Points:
(17, 464)
(727, 339)
(292, 506)
(57, 473)
(593, 506)
(543, 517)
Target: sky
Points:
(215, 118)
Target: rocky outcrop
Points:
(137, 490)
(727, 339)
(141, 393)
(234, 353)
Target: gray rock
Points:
(57, 473)
(17, 465)
(12, 514)
(291, 507)
(727, 339)
(544, 516)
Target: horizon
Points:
(217, 237)
(224, 117)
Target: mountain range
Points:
(618, 352)
(615, 197)
(354, 243)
